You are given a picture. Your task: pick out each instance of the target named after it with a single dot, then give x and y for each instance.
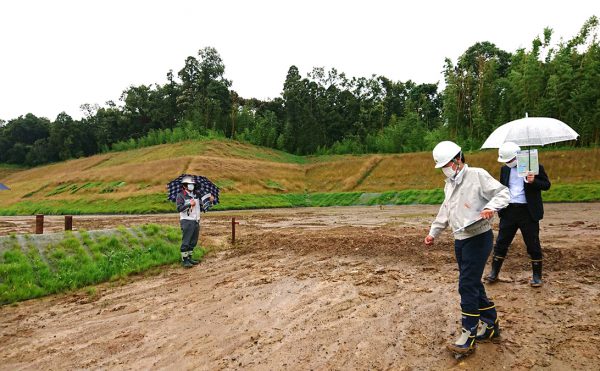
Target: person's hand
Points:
(429, 240)
(211, 198)
(487, 214)
(193, 202)
(530, 177)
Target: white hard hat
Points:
(187, 180)
(444, 152)
(507, 151)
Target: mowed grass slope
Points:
(250, 176)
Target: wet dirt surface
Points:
(318, 288)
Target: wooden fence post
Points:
(39, 224)
(233, 224)
(68, 222)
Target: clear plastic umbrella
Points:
(531, 131)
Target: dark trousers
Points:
(190, 229)
(471, 256)
(514, 217)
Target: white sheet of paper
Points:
(468, 224)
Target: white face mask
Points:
(511, 164)
(190, 187)
(448, 172)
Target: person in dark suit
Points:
(524, 213)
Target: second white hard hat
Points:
(507, 151)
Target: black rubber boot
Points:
(193, 261)
(536, 267)
(488, 332)
(496, 265)
(185, 260)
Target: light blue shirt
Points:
(516, 186)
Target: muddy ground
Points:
(322, 288)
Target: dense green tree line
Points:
(329, 112)
(488, 86)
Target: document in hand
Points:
(527, 161)
(468, 224)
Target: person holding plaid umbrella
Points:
(193, 196)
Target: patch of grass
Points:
(112, 187)
(61, 188)
(274, 185)
(225, 184)
(91, 291)
(334, 199)
(79, 260)
(77, 187)
(267, 154)
(583, 192)
(73, 188)
(260, 201)
(144, 204)
(410, 197)
(91, 185)
(27, 195)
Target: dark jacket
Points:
(183, 200)
(533, 192)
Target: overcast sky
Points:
(56, 55)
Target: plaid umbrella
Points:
(202, 187)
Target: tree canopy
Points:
(326, 111)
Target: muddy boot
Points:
(496, 265)
(536, 267)
(464, 344)
(488, 332)
(192, 260)
(185, 260)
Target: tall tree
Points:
(473, 94)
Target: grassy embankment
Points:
(255, 177)
(29, 270)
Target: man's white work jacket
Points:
(472, 190)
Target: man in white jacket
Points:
(472, 196)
